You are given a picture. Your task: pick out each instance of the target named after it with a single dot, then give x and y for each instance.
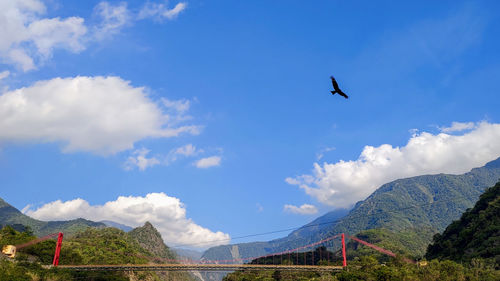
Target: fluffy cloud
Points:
(305, 209)
(27, 38)
(208, 162)
(167, 214)
(161, 11)
(343, 183)
(103, 115)
(140, 160)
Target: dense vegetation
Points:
(91, 246)
(469, 249)
(429, 202)
(319, 256)
(368, 268)
(405, 243)
(150, 239)
(475, 235)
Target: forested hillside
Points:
(406, 243)
(424, 205)
(469, 249)
(475, 235)
(91, 246)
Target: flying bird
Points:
(336, 88)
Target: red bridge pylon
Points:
(58, 249)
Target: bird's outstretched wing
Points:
(335, 84)
(342, 94)
(337, 89)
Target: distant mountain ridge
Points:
(9, 215)
(428, 201)
(187, 254)
(123, 227)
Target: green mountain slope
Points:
(475, 235)
(428, 202)
(13, 217)
(406, 243)
(150, 239)
(91, 246)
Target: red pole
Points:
(58, 249)
(344, 263)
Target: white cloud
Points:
(167, 214)
(305, 209)
(161, 11)
(113, 18)
(103, 115)
(458, 127)
(28, 39)
(139, 159)
(343, 183)
(208, 162)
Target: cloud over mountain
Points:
(343, 183)
(305, 209)
(167, 214)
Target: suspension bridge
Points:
(311, 257)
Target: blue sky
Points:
(107, 99)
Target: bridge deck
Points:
(198, 267)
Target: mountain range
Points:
(469, 249)
(423, 205)
(9, 215)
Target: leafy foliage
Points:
(10, 236)
(91, 246)
(475, 234)
(407, 243)
(368, 268)
(320, 256)
(104, 246)
(150, 239)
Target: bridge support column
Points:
(344, 262)
(58, 249)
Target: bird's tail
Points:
(333, 92)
